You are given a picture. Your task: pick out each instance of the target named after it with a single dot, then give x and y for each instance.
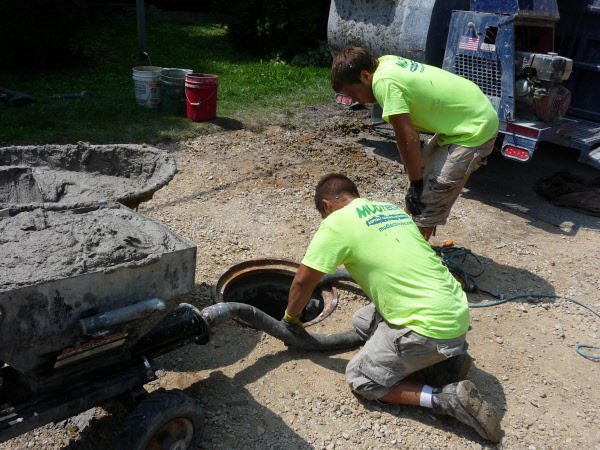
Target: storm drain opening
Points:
(265, 284)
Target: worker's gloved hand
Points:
(413, 197)
(292, 323)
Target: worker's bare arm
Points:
(304, 283)
(409, 145)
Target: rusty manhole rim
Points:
(282, 266)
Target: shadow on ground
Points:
(508, 184)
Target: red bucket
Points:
(201, 93)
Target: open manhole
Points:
(61, 177)
(265, 284)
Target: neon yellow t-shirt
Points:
(437, 101)
(386, 254)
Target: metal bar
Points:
(141, 24)
(130, 313)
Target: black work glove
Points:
(413, 197)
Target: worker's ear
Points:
(365, 76)
(327, 207)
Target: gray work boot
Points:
(462, 401)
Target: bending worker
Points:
(417, 97)
(419, 314)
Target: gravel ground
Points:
(241, 194)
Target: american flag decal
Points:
(469, 43)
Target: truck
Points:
(537, 61)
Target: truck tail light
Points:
(516, 153)
(343, 99)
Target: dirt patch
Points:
(241, 195)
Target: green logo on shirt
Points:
(367, 210)
(402, 62)
(414, 66)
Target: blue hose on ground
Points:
(504, 300)
(449, 256)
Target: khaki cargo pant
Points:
(392, 353)
(446, 169)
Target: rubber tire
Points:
(156, 410)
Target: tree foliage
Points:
(283, 27)
(39, 33)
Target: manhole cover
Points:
(265, 284)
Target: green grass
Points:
(252, 92)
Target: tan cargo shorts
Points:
(392, 353)
(446, 169)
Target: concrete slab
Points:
(61, 266)
(69, 176)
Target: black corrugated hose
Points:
(222, 312)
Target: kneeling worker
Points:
(419, 314)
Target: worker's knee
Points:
(365, 320)
(363, 385)
(426, 232)
(377, 367)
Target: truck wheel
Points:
(163, 420)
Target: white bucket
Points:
(147, 86)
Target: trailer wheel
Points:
(163, 420)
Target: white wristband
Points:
(425, 399)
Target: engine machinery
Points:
(537, 85)
(507, 49)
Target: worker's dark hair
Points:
(349, 63)
(332, 186)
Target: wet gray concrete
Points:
(43, 245)
(72, 175)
